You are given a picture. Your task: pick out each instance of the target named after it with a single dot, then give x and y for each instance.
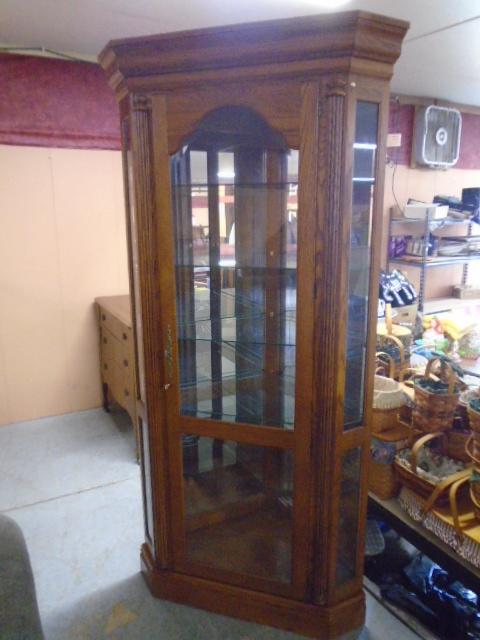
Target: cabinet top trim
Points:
(336, 36)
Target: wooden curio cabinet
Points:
(253, 163)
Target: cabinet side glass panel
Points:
(146, 479)
(238, 507)
(234, 191)
(364, 162)
(348, 516)
(132, 221)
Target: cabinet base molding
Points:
(311, 620)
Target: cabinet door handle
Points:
(124, 336)
(104, 341)
(105, 366)
(104, 317)
(126, 392)
(125, 363)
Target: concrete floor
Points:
(72, 484)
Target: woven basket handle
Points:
(474, 500)
(406, 371)
(469, 450)
(418, 445)
(398, 343)
(452, 496)
(442, 485)
(452, 378)
(391, 363)
(388, 318)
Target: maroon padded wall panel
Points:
(56, 103)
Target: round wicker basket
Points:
(388, 397)
(434, 412)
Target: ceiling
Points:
(440, 57)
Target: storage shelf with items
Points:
(429, 243)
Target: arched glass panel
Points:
(234, 186)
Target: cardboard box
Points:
(465, 292)
(406, 315)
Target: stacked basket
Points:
(388, 436)
(393, 342)
(473, 450)
(435, 400)
(429, 472)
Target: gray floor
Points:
(72, 484)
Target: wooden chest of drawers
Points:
(117, 354)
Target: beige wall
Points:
(424, 184)
(62, 243)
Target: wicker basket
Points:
(388, 328)
(472, 449)
(432, 492)
(463, 402)
(476, 503)
(474, 418)
(457, 445)
(382, 480)
(403, 362)
(434, 412)
(388, 397)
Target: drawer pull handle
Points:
(124, 336)
(104, 317)
(125, 363)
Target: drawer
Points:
(127, 365)
(116, 327)
(107, 369)
(127, 354)
(123, 389)
(110, 347)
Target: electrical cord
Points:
(395, 165)
(393, 162)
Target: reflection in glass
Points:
(238, 507)
(348, 516)
(235, 221)
(147, 486)
(364, 159)
(139, 357)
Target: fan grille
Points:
(439, 136)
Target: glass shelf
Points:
(242, 406)
(231, 186)
(246, 344)
(234, 267)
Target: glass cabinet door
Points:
(234, 192)
(235, 221)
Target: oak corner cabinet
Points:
(253, 165)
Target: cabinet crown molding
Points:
(303, 46)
